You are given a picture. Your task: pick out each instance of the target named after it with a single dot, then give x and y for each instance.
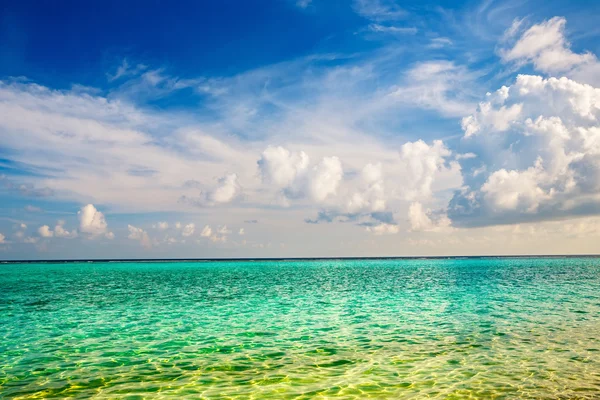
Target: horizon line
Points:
(233, 259)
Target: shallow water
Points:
(470, 328)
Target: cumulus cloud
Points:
(45, 231)
(218, 235)
(225, 191)
(223, 230)
(516, 190)
(424, 220)
(540, 162)
(140, 235)
(61, 232)
(370, 195)
(325, 178)
(2, 238)
(206, 231)
(420, 163)
(188, 230)
(291, 173)
(488, 116)
(92, 221)
(418, 169)
(162, 226)
(218, 238)
(280, 167)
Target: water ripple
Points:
(501, 328)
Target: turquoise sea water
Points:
(457, 328)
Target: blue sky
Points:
(298, 128)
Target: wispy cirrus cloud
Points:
(126, 70)
(379, 10)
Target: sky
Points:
(298, 128)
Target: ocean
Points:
(485, 328)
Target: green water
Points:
(470, 328)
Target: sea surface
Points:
(484, 328)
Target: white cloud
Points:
(383, 229)
(420, 163)
(543, 161)
(2, 238)
(440, 42)
(188, 230)
(280, 167)
(516, 190)
(489, 117)
(422, 220)
(227, 189)
(241, 231)
(125, 70)
(320, 110)
(364, 198)
(162, 226)
(379, 10)
(325, 178)
(466, 156)
(45, 231)
(92, 137)
(371, 194)
(545, 46)
(30, 240)
(206, 231)
(61, 232)
(140, 235)
(436, 85)
(218, 238)
(290, 171)
(215, 236)
(396, 30)
(223, 230)
(92, 221)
